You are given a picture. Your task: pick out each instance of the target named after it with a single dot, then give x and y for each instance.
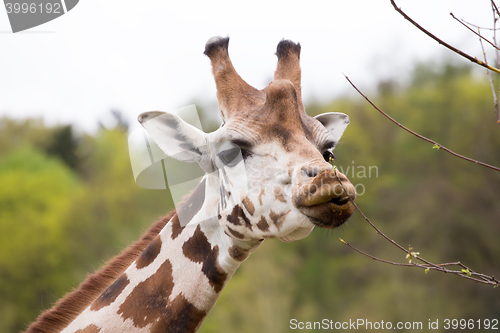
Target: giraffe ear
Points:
(176, 138)
(335, 123)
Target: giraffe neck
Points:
(175, 282)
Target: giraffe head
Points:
(269, 159)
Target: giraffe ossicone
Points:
(266, 176)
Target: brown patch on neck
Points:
(199, 250)
(147, 303)
(69, 307)
(192, 205)
(149, 254)
(237, 253)
(89, 329)
(176, 227)
(110, 295)
(183, 317)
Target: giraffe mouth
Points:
(329, 214)
(325, 200)
(339, 201)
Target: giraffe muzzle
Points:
(326, 199)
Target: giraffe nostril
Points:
(310, 172)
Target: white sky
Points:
(138, 56)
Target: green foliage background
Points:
(69, 202)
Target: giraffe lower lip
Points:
(328, 215)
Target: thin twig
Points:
(384, 235)
(495, 100)
(375, 258)
(436, 145)
(465, 272)
(463, 54)
(478, 34)
(495, 9)
(495, 6)
(479, 27)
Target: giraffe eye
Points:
(231, 156)
(327, 155)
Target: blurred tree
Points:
(121, 122)
(16, 133)
(36, 195)
(63, 145)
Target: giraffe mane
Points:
(74, 302)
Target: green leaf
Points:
(412, 254)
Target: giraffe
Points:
(267, 176)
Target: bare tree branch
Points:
(492, 85)
(436, 145)
(495, 6)
(477, 26)
(465, 271)
(495, 10)
(478, 34)
(463, 54)
(496, 106)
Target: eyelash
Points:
(245, 153)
